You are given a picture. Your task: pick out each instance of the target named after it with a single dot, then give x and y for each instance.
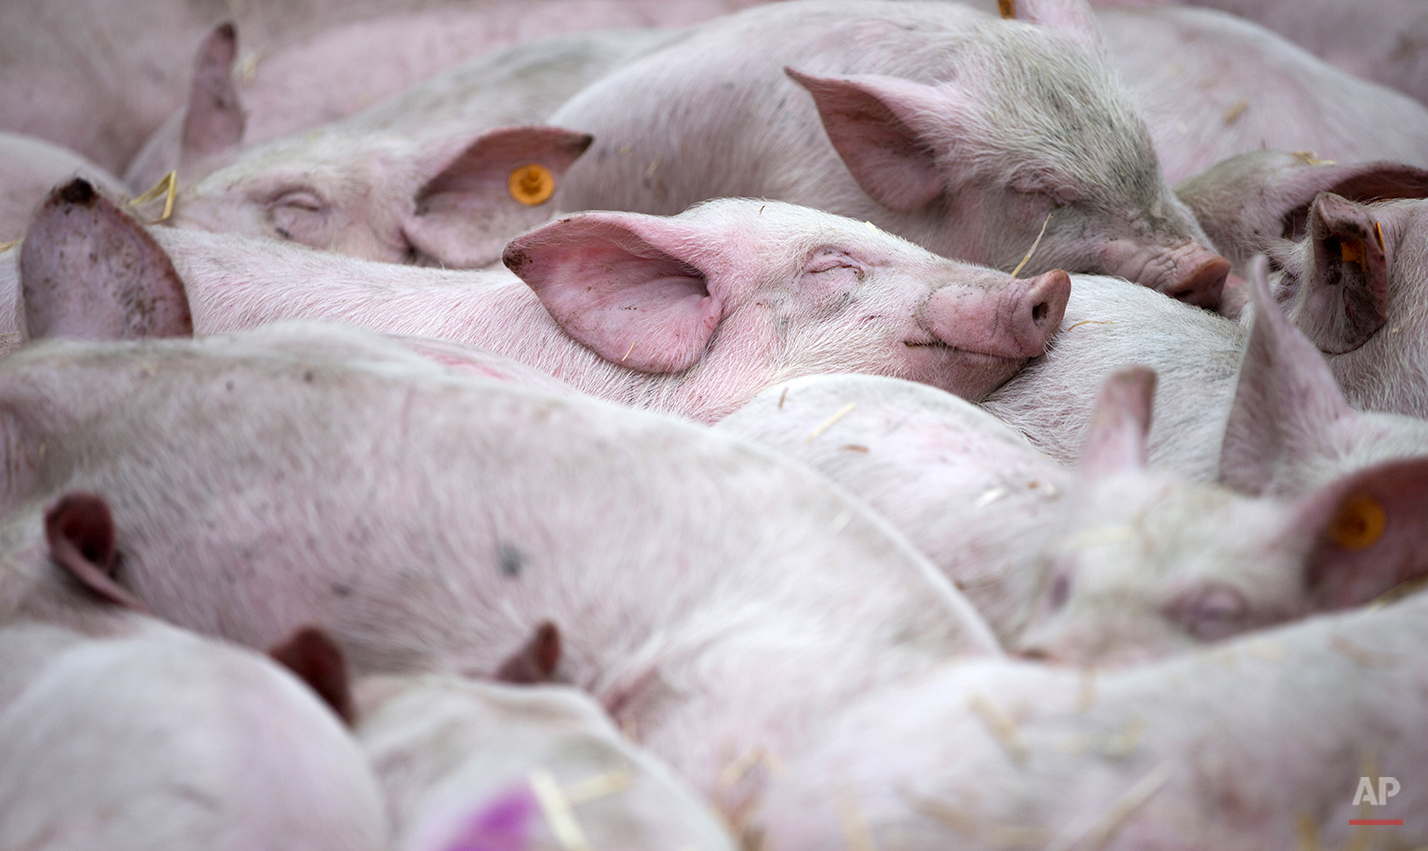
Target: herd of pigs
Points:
(713, 425)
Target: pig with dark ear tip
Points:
(317, 660)
(536, 661)
(120, 731)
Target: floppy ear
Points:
(318, 661)
(80, 532)
(1070, 18)
(1120, 424)
(625, 285)
(1345, 298)
(536, 661)
(214, 119)
(498, 186)
(88, 270)
(1371, 533)
(1286, 392)
(877, 126)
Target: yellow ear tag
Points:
(1007, 8)
(1359, 523)
(1378, 234)
(1352, 251)
(531, 184)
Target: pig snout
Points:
(1190, 273)
(1015, 321)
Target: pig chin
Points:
(971, 375)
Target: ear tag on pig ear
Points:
(1378, 234)
(1359, 523)
(1351, 251)
(531, 184)
(1007, 8)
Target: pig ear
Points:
(1285, 393)
(876, 125)
(318, 661)
(536, 661)
(625, 285)
(1346, 295)
(1070, 18)
(1371, 531)
(1120, 424)
(214, 119)
(496, 187)
(80, 532)
(88, 270)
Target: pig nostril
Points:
(1040, 312)
(1034, 654)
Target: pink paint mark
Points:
(501, 826)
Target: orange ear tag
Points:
(1007, 8)
(531, 184)
(1352, 251)
(1378, 234)
(1359, 523)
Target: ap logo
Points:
(1387, 788)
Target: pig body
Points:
(1211, 85)
(930, 120)
(30, 168)
(117, 731)
(1256, 744)
(495, 514)
(459, 761)
(691, 314)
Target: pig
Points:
(521, 84)
(1268, 741)
(467, 762)
(1357, 286)
(1151, 562)
(30, 169)
(453, 202)
(256, 458)
(996, 142)
(1212, 85)
(692, 314)
(1147, 565)
(1250, 203)
(119, 731)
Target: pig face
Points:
(1033, 131)
(1148, 565)
(1358, 288)
(741, 287)
(380, 197)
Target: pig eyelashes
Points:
(297, 215)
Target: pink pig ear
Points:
(1120, 425)
(318, 661)
(1286, 394)
(623, 284)
(1371, 531)
(875, 124)
(214, 119)
(1346, 297)
(88, 270)
(498, 186)
(80, 532)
